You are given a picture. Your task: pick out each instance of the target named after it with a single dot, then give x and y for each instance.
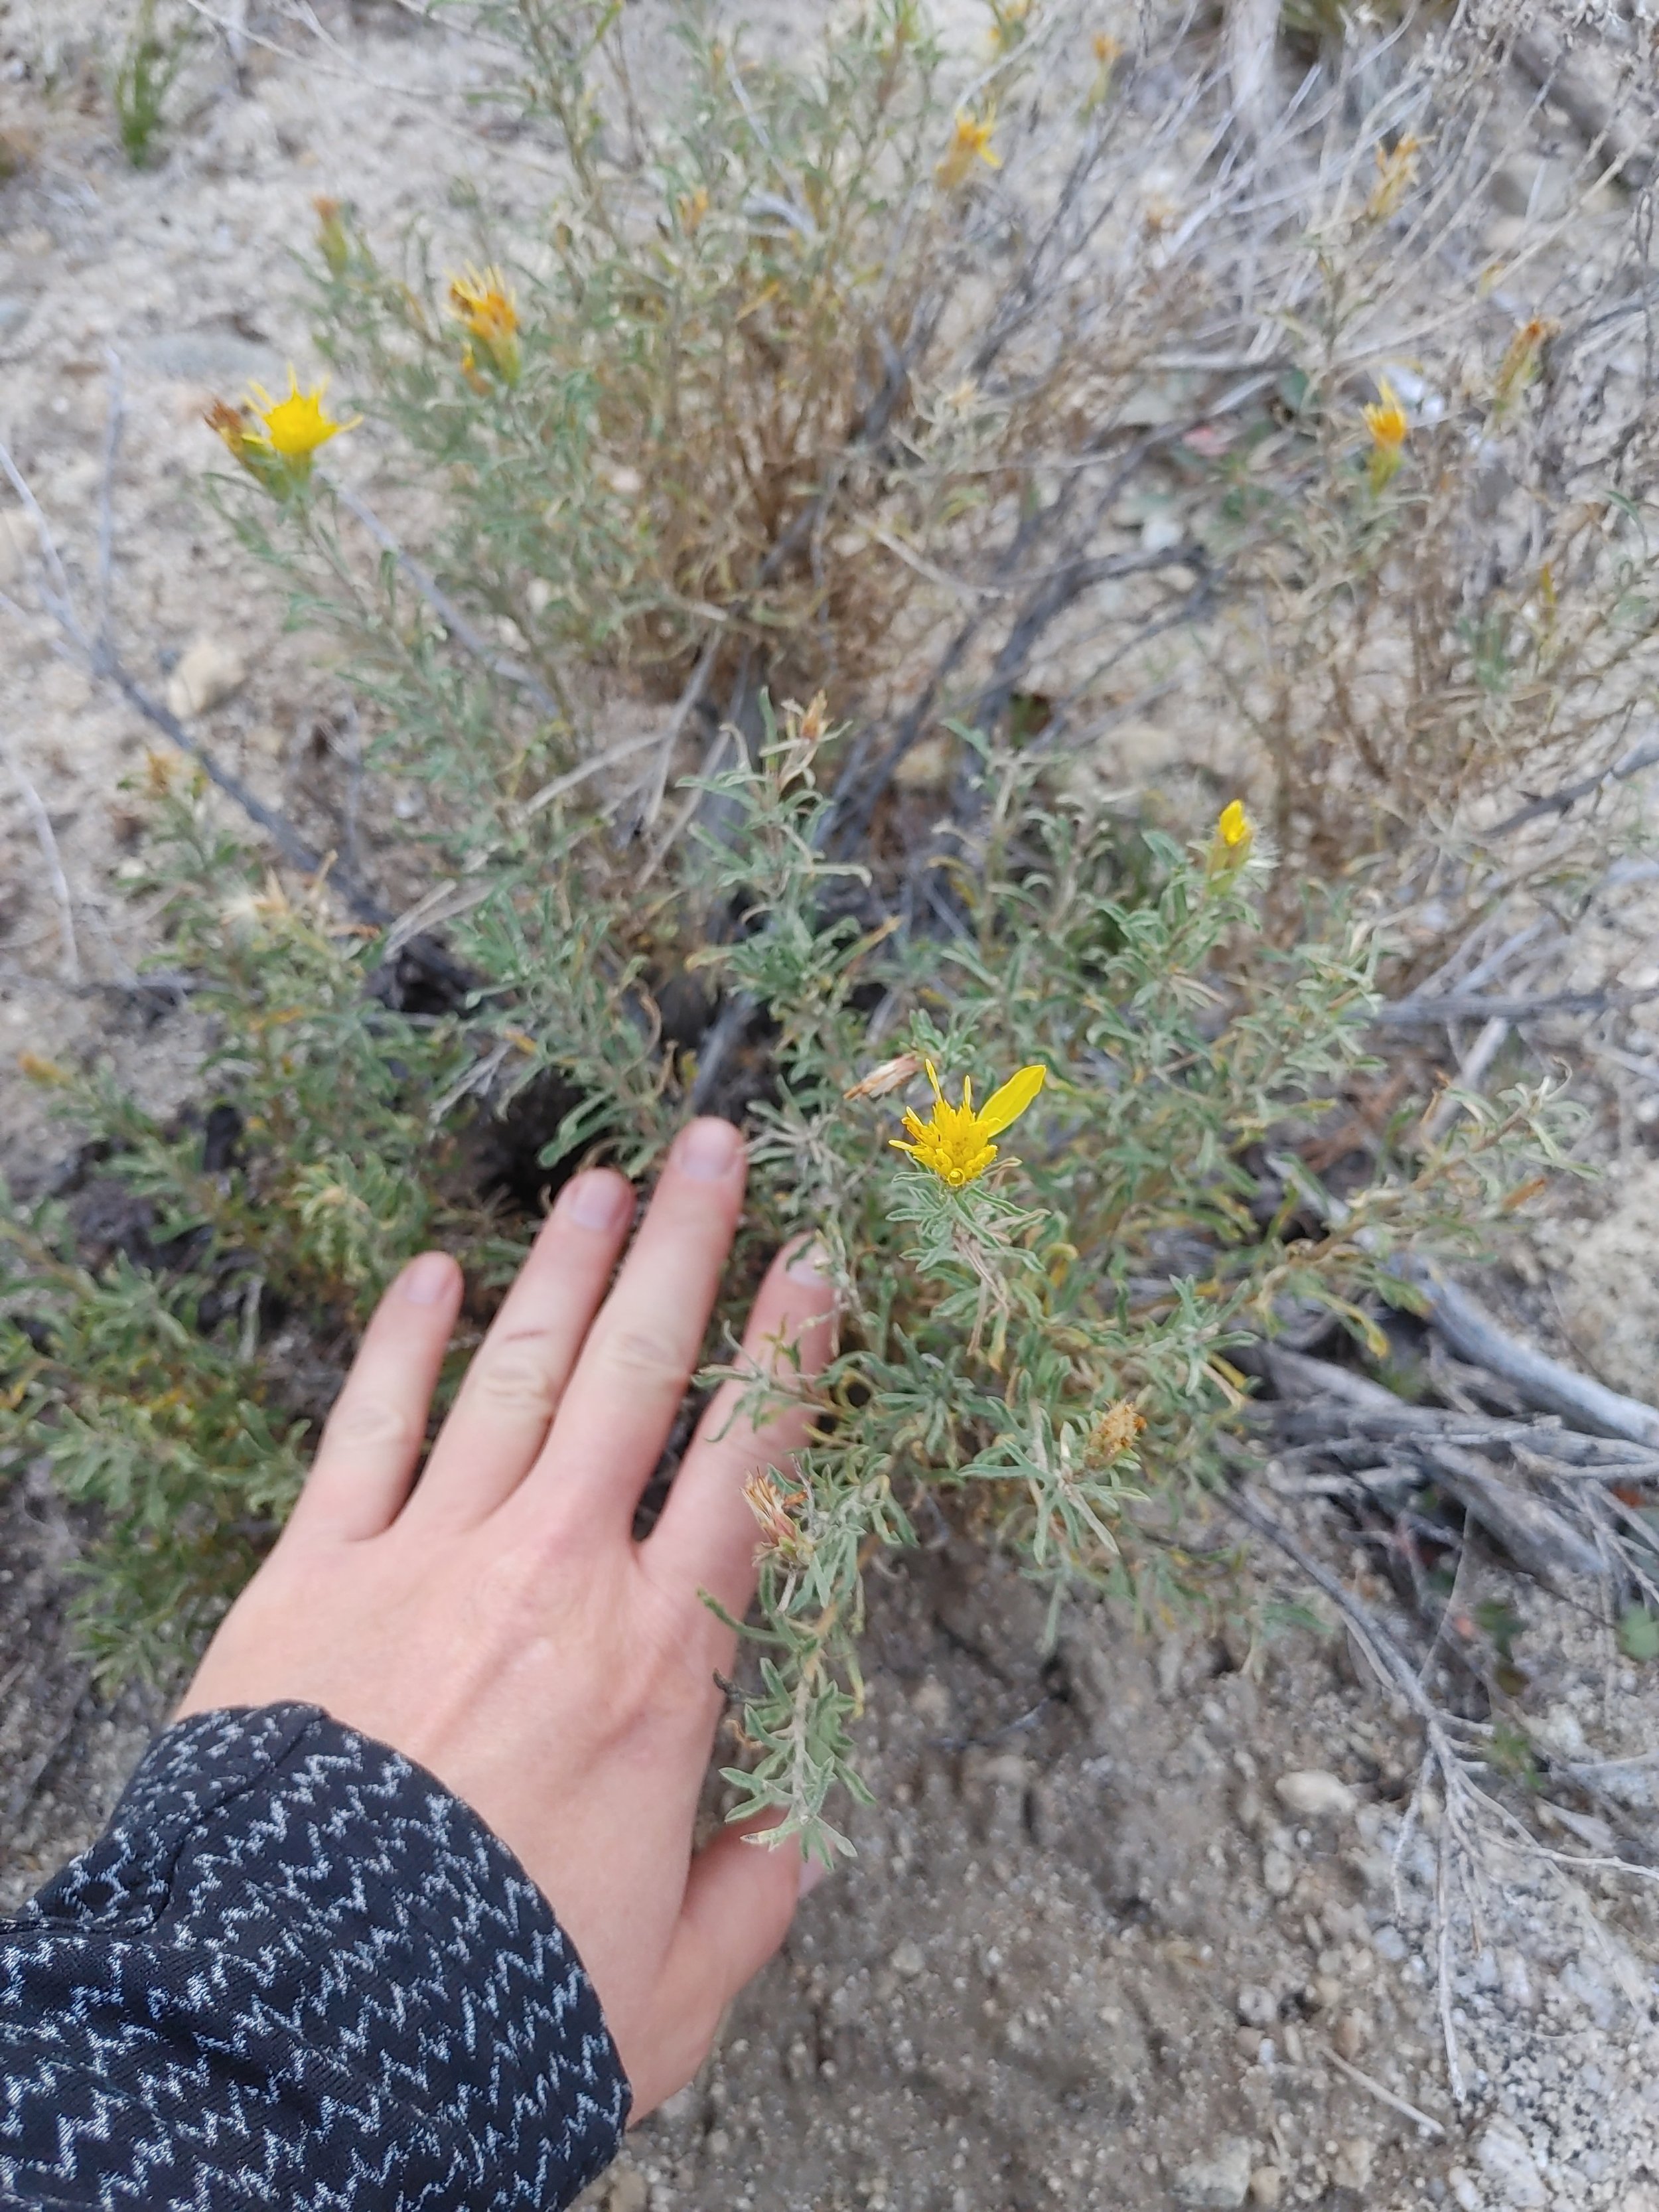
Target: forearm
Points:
(297, 1969)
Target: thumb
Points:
(740, 1898)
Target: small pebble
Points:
(1351, 2166)
(1266, 2185)
(209, 673)
(1314, 1794)
(1216, 2183)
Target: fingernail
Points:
(597, 1200)
(425, 1281)
(812, 1872)
(811, 1265)
(707, 1150)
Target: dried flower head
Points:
(1114, 1432)
(970, 141)
(331, 241)
(1009, 19)
(1107, 52)
(230, 423)
(1396, 168)
(774, 1510)
(891, 1075)
(41, 1070)
(1521, 359)
(954, 1142)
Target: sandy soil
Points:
(1088, 1955)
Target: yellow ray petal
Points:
(1007, 1104)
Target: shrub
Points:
(1049, 1339)
(840, 386)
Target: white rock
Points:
(1503, 2156)
(1257, 2007)
(1160, 533)
(1316, 1795)
(1277, 1875)
(209, 673)
(1212, 2185)
(908, 1961)
(1266, 2185)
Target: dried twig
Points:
(461, 627)
(1558, 802)
(1470, 1070)
(1385, 2096)
(44, 837)
(1537, 1537)
(1474, 1334)
(1459, 1006)
(1576, 85)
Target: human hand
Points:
(497, 1622)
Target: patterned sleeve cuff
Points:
(297, 1969)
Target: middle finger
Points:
(620, 1405)
(507, 1402)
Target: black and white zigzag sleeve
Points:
(296, 1971)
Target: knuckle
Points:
(518, 1379)
(373, 1424)
(642, 1360)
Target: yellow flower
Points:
(1234, 832)
(970, 142)
(1385, 418)
(484, 304)
(295, 425)
(955, 1142)
(275, 441)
